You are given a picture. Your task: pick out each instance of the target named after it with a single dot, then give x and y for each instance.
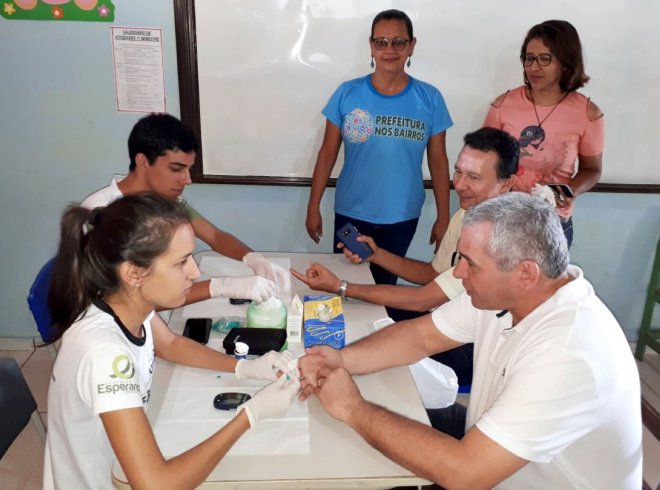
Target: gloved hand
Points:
(256, 288)
(268, 366)
(265, 268)
(272, 401)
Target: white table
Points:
(339, 457)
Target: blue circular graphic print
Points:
(358, 126)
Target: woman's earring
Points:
(372, 62)
(408, 64)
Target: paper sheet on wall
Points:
(216, 266)
(138, 66)
(191, 417)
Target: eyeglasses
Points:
(543, 59)
(398, 43)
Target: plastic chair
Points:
(17, 405)
(38, 300)
(649, 336)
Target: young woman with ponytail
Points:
(113, 267)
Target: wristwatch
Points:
(343, 284)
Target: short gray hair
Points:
(524, 228)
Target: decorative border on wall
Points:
(80, 10)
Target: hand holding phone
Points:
(198, 329)
(348, 234)
(562, 191)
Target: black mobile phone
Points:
(563, 190)
(239, 301)
(348, 234)
(198, 329)
(230, 401)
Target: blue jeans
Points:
(394, 238)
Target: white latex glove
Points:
(272, 401)
(265, 268)
(267, 366)
(256, 288)
(545, 193)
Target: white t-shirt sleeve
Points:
(105, 196)
(451, 286)
(108, 379)
(94, 201)
(457, 319)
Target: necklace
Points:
(540, 122)
(534, 135)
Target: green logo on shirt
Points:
(122, 368)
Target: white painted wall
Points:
(61, 138)
(266, 69)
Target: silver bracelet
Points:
(343, 284)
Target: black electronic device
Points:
(230, 400)
(562, 190)
(260, 340)
(348, 234)
(198, 329)
(239, 301)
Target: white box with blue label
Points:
(324, 321)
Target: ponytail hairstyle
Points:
(137, 228)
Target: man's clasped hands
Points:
(319, 372)
(323, 374)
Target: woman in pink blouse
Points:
(555, 124)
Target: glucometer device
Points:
(230, 400)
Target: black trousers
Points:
(450, 420)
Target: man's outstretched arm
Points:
(412, 270)
(220, 241)
(413, 298)
(474, 462)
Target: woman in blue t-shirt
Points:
(386, 120)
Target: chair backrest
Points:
(38, 300)
(16, 402)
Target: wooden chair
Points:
(649, 336)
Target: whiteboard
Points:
(265, 70)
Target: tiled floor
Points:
(21, 466)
